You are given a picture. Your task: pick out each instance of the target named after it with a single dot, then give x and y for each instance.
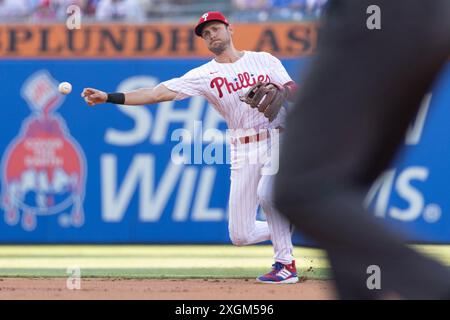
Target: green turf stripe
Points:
(131, 256)
(167, 273)
(151, 261)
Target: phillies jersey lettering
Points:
(241, 81)
(223, 83)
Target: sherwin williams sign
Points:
(75, 174)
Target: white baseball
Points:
(65, 87)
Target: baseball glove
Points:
(267, 97)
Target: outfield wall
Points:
(76, 174)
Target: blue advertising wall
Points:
(119, 184)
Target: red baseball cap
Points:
(208, 17)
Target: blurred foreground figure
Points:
(362, 91)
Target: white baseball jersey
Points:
(223, 83)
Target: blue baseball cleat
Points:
(281, 273)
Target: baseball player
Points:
(248, 89)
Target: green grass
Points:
(164, 261)
(151, 261)
(169, 273)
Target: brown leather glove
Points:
(267, 97)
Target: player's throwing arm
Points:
(137, 97)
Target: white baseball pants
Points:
(253, 169)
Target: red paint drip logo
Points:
(43, 168)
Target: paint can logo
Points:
(43, 168)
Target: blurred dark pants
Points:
(363, 89)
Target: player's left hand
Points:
(267, 97)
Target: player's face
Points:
(217, 37)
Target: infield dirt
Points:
(153, 289)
